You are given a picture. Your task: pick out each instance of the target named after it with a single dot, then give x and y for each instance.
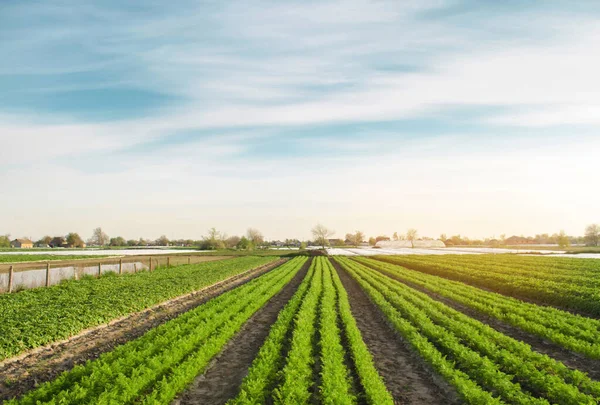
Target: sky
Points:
(146, 118)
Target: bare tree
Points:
(255, 236)
(395, 236)
(592, 234)
(358, 238)
(99, 238)
(232, 241)
(411, 235)
(321, 234)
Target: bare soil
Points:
(539, 344)
(25, 372)
(408, 378)
(223, 377)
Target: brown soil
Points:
(25, 372)
(540, 345)
(407, 377)
(224, 375)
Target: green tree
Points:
(118, 241)
(244, 243)
(5, 241)
(372, 241)
(303, 246)
(563, 240)
(74, 240)
(212, 241)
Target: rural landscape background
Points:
(357, 202)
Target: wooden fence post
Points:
(168, 261)
(47, 274)
(135, 267)
(189, 259)
(121, 266)
(150, 264)
(99, 269)
(10, 279)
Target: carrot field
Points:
(484, 329)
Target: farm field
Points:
(36, 317)
(330, 330)
(571, 284)
(26, 257)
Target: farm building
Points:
(21, 244)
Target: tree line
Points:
(322, 236)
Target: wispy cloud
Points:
(245, 96)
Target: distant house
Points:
(21, 244)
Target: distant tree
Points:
(143, 242)
(255, 236)
(395, 236)
(162, 241)
(5, 241)
(58, 241)
(411, 235)
(232, 242)
(349, 237)
(563, 240)
(592, 235)
(321, 235)
(244, 243)
(132, 242)
(45, 240)
(381, 238)
(99, 238)
(443, 237)
(503, 239)
(358, 238)
(212, 241)
(372, 241)
(303, 245)
(118, 241)
(74, 240)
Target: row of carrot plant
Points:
(576, 293)
(154, 368)
(40, 316)
(574, 332)
(303, 358)
(485, 366)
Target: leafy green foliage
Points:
(154, 368)
(309, 326)
(484, 365)
(36, 317)
(373, 386)
(573, 332)
(568, 283)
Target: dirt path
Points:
(407, 377)
(540, 345)
(224, 375)
(22, 374)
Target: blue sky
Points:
(478, 118)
